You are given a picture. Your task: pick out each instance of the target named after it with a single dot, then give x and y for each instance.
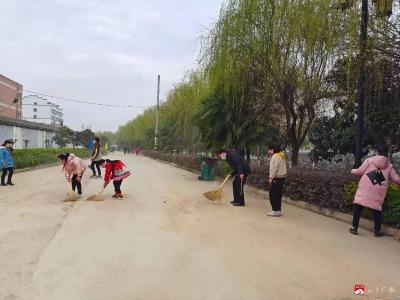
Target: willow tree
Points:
(235, 79)
(139, 131)
(288, 48)
(178, 129)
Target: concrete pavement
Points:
(165, 241)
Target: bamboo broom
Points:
(71, 195)
(216, 194)
(97, 197)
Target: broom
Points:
(216, 194)
(71, 196)
(97, 197)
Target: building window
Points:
(34, 116)
(35, 109)
(34, 103)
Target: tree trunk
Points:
(295, 155)
(248, 155)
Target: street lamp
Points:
(384, 9)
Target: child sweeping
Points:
(7, 162)
(115, 171)
(74, 167)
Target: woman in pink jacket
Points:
(372, 187)
(73, 167)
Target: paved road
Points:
(164, 241)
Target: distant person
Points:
(137, 151)
(115, 171)
(240, 170)
(375, 173)
(7, 162)
(277, 175)
(96, 157)
(74, 167)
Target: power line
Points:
(33, 93)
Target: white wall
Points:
(37, 138)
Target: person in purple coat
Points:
(372, 189)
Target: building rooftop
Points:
(27, 124)
(10, 80)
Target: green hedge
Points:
(25, 158)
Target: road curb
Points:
(327, 212)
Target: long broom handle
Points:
(226, 179)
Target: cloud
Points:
(104, 51)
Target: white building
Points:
(40, 110)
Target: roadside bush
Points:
(318, 187)
(188, 161)
(25, 158)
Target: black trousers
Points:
(10, 172)
(97, 165)
(76, 184)
(275, 193)
(238, 189)
(357, 215)
(117, 186)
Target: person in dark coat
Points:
(240, 170)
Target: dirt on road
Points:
(165, 241)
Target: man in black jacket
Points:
(240, 170)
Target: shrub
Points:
(225, 169)
(25, 158)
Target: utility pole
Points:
(361, 84)
(157, 115)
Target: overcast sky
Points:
(101, 50)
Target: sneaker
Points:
(10, 183)
(99, 176)
(274, 214)
(353, 230)
(115, 195)
(4, 184)
(79, 195)
(119, 196)
(379, 233)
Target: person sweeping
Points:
(74, 167)
(240, 170)
(115, 171)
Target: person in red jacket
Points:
(115, 171)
